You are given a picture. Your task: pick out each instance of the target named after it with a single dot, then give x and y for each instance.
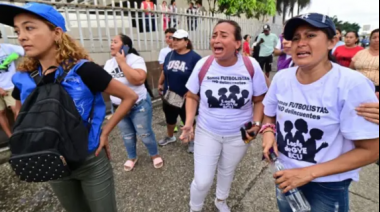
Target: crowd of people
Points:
(320, 117)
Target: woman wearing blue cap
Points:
(42, 33)
(313, 106)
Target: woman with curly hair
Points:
(41, 32)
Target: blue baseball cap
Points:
(314, 19)
(9, 12)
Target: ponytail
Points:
(332, 57)
(127, 41)
(190, 45)
(133, 51)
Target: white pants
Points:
(211, 152)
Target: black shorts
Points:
(266, 63)
(172, 113)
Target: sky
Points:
(364, 12)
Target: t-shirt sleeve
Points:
(260, 86)
(357, 56)
(139, 63)
(275, 43)
(94, 76)
(15, 49)
(161, 57)
(353, 126)
(193, 84)
(197, 58)
(270, 101)
(278, 46)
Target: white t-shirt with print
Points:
(226, 96)
(135, 62)
(6, 75)
(163, 53)
(318, 123)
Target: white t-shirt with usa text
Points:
(226, 95)
(318, 123)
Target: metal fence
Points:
(95, 22)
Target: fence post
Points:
(114, 17)
(122, 19)
(158, 30)
(90, 29)
(137, 19)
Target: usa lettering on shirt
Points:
(177, 66)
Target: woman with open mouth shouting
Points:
(321, 140)
(228, 84)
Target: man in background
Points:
(267, 42)
(201, 8)
(8, 55)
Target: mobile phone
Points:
(125, 48)
(244, 132)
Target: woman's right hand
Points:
(160, 89)
(269, 142)
(187, 134)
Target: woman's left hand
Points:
(120, 57)
(293, 178)
(104, 144)
(254, 129)
(370, 112)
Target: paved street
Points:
(167, 190)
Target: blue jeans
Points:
(139, 123)
(323, 197)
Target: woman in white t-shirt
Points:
(321, 140)
(228, 88)
(130, 69)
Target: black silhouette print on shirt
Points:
(297, 147)
(232, 101)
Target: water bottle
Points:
(295, 197)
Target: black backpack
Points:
(49, 133)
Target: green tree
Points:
(345, 25)
(302, 4)
(251, 8)
(285, 7)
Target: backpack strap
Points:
(249, 66)
(247, 62)
(205, 68)
(35, 75)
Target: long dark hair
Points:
(330, 35)
(238, 30)
(374, 32)
(340, 30)
(128, 42)
(190, 44)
